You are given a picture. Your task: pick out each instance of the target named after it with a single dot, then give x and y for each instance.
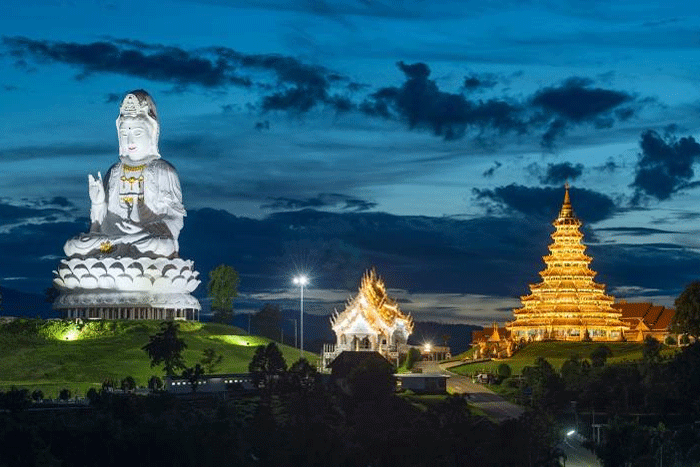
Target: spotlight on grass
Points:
(71, 335)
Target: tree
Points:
(155, 383)
(166, 347)
(37, 395)
(686, 320)
(128, 384)
(65, 394)
(210, 359)
(193, 375)
(600, 355)
(223, 288)
(267, 320)
(546, 384)
(267, 366)
(302, 374)
(651, 352)
(93, 396)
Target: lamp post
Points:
(301, 281)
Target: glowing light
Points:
(427, 347)
(71, 335)
(301, 280)
(570, 432)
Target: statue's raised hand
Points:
(96, 188)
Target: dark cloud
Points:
(610, 166)
(422, 105)
(298, 86)
(557, 174)
(488, 173)
(590, 206)
(112, 98)
(664, 166)
(264, 125)
(635, 231)
(576, 101)
(477, 81)
(165, 64)
(323, 200)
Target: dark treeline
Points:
(292, 425)
(649, 406)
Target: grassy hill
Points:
(556, 353)
(51, 355)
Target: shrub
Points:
(128, 384)
(504, 371)
(65, 394)
(412, 357)
(37, 395)
(670, 340)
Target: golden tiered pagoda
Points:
(371, 321)
(567, 304)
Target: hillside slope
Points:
(51, 355)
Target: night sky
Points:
(431, 139)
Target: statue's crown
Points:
(131, 107)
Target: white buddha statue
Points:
(137, 209)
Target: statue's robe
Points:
(157, 211)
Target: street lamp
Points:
(301, 281)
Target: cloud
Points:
(298, 86)
(576, 101)
(164, 64)
(551, 110)
(589, 205)
(479, 81)
(112, 98)
(488, 173)
(559, 173)
(323, 200)
(664, 166)
(14, 214)
(635, 231)
(421, 104)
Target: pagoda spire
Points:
(567, 304)
(566, 210)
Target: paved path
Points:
(478, 395)
(577, 455)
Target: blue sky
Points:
(445, 128)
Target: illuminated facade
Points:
(567, 304)
(371, 321)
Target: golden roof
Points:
(372, 301)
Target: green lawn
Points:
(40, 354)
(556, 353)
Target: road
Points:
(478, 395)
(577, 455)
(499, 409)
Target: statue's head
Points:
(138, 128)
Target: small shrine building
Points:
(371, 321)
(567, 304)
